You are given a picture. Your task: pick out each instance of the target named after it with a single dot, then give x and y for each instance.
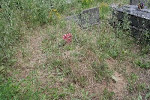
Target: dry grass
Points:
(58, 66)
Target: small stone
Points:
(114, 79)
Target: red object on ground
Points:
(67, 37)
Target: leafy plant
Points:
(132, 81)
(107, 95)
(147, 96)
(86, 3)
(143, 64)
(101, 71)
(139, 97)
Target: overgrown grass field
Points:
(98, 63)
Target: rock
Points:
(86, 18)
(115, 79)
(139, 18)
(89, 17)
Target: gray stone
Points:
(86, 18)
(89, 17)
(114, 78)
(139, 18)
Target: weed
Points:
(139, 97)
(85, 95)
(86, 3)
(110, 45)
(147, 96)
(107, 95)
(101, 71)
(142, 63)
(104, 9)
(141, 87)
(145, 49)
(132, 81)
(54, 94)
(126, 23)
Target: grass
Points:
(101, 62)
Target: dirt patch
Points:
(111, 63)
(35, 56)
(83, 69)
(118, 86)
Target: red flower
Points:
(67, 37)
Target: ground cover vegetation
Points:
(98, 63)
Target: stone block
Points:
(139, 19)
(86, 18)
(89, 17)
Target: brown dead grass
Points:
(82, 68)
(25, 65)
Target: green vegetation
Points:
(36, 63)
(104, 9)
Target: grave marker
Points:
(89, 17)
(139, 18)
(86, 18)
